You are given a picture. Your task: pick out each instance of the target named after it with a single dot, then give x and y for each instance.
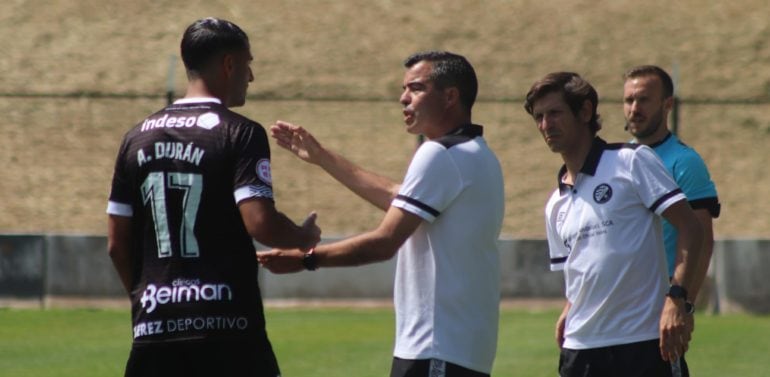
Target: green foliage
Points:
(344, 342)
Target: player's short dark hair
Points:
(644, 70)
(209, 38)
(450, 70)
(573, 88)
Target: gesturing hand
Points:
(297, 140)
(281, 261)
(309, 227)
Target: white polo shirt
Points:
(447, 287)
(605, 234)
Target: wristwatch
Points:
(689, 308)
(310, 261)
(677, 291)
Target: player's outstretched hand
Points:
(311, 228)
(297, 140)
(281, 261)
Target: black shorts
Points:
(192, 359)
(640, 359)
(430, 368)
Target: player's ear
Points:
(228, 65)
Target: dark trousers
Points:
(640, 359)
(430, 368)
(199, 359)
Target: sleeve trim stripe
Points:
(119, 209)
(419, 205)
(252, 191)
(558, 260)
(663, 199)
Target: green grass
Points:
(344, 342)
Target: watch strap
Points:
(677, 291)
(310, 260)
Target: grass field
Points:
(343, 342)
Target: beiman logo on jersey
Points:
(154, 296)
(602, 193)
(207, 120)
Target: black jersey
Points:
(179, 175)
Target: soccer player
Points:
(190, 192)
(443, 221)
(603, 230)
(648, 96)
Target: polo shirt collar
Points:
(471, 130)
(187, 101)
(589, 165)
(665, 139)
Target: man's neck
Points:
(574, 160)
(448, 125)
(655, 138)
(199, 89)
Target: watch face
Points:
(689, 308)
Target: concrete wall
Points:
(40, 267)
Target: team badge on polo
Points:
(602, 193)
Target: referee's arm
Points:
(689, 273)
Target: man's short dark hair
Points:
(644, 70)
(573, 88)
(209, 38)
(450, 70)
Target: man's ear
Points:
(452, 96)
(586, 111)
(668, 104)
(228, 65)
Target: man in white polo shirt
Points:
(443, 220)
(604, 232)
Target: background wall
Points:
(45, 269)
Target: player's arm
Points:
(272, 228)
(675, 325)
(119, 248)
(377, 245)
(372, 187)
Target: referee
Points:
(603, 227)
(648, 97)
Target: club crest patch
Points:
(263, 171)
(602, 193)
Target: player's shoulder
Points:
(231, 118)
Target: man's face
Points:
(424, 104)
(644, 107)
(560, 128)
(240, 78)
